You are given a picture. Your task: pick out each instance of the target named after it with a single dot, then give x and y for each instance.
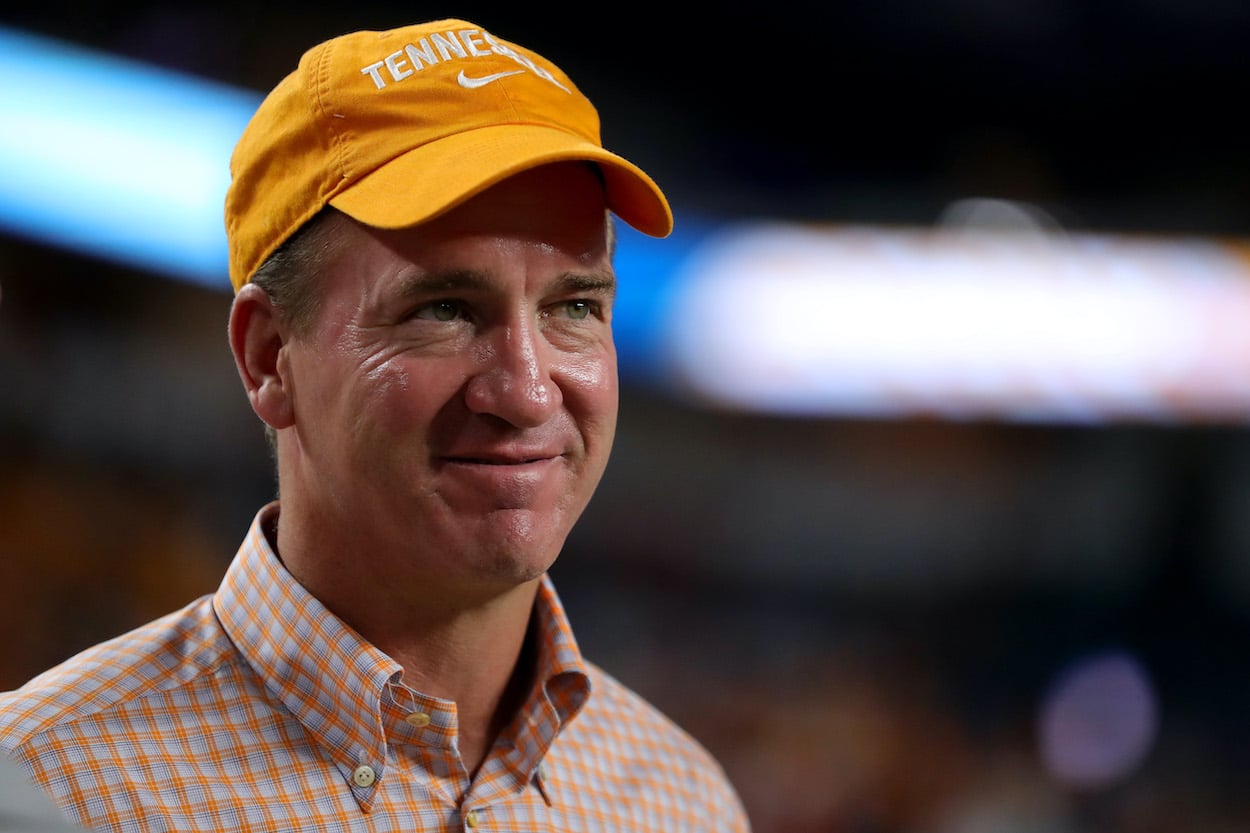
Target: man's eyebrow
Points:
(451, 280)
(597, 283)
(469, 280)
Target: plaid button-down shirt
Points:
(257, 709)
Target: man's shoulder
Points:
(153, 660)
(614, 703)
(626, 740)
(629, 717)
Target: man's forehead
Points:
(394, 264)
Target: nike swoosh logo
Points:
(473, 83)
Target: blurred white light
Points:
(963, 324)
(1098, 721)
(979, 213)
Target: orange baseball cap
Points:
(394, 128)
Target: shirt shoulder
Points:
(167, 654)
(613, 706)
(641, 752)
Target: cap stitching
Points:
(338, 142)
(517, 117)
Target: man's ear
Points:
(257, 338)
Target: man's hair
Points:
(289, 277)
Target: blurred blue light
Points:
(115, 158)
(646, 271)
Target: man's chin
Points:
(521, 542)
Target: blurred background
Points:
(930, 505)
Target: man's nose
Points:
(514, 381)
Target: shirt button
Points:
(418, 719)
(471, 818)
(364, 776)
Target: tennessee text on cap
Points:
(394, 128)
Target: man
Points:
(420, 244)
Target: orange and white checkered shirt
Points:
(257, 709)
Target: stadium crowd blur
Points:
(879, 626)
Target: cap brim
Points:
(429, 180)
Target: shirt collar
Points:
(333, 681)
(561, 690)
(323, 672)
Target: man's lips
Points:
(509, 458)
(497, 480)
(482, 461)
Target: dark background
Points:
(1115, 114)
(862, 619)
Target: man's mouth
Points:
(500, 459)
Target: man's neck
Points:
(483, 661)
(486, 700)
(471, 650)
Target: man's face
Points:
(455, 397)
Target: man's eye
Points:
(441, 311)
(578, 310)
